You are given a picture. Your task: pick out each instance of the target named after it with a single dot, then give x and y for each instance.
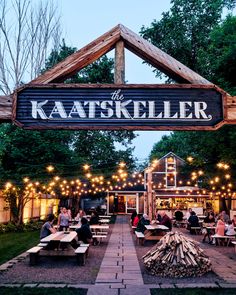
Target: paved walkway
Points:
(120, 271)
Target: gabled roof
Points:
(133, 42)
(171, 154)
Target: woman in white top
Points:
(230, 229)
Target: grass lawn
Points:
(200, 291)
(13, 244)
(42, 291)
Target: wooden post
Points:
(119, 75)
(150, 194)
(5, 108)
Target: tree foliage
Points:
(184, 31)
(194, 33)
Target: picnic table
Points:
(99, 231)
(59, 244)
(153, 232)
(60, 240)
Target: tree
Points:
(223, 46)
(210, 51)
(27, 153)
(28, 30)
(184, 31)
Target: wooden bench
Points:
(195, 229)
(99, 237)
(42, 245)
(226, 239)
(81, 254)
(34, 254)
(140, 237)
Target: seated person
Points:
(234, 220)
(144, 220)
(193, 221)
(220, 226)
(179, 215)
(84, 233)
(134, 219)
(94, 218)
(47, 227)
(165, 220)
(209, 221)
(79, 215)
(158, 217)
(230, 229)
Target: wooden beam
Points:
(231, 110)
(5, 108)
(80, 59)
(119, 74)
(159, 59)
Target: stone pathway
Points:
(120, 271)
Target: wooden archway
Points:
(120, 38)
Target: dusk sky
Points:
(84, 21)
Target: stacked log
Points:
(176, 256)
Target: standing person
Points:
(63, 220)
(84, 233)
(165, 220)
(47, 227)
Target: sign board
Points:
(132, 107)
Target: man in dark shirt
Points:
(84, 233)
(47, 227)
(144, 220)
(165, 220)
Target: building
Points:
(164, 187)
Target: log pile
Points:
(176, 256)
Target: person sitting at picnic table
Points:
(84, 233)
(47, 227)
(144, 220)
(230, 229)
(134, 219)
(94, 219)
(165, 220)
(63, 220)
(158, 217)
(209, 221)
(225, 216)
(193, 221)
(220, 226)
(234, 220)
(179, 215)
(79, 215)
(188, 213)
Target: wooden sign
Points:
(130, 107)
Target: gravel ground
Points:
(58, 270)
(210, 277)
